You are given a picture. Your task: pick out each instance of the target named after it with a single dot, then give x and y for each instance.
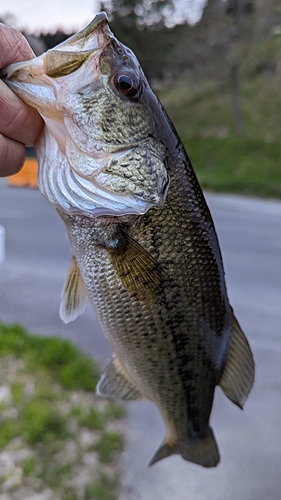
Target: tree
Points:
(139, 12)
(140, 25)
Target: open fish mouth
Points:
(83, 166)
(71, 53)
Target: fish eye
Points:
(127, 84)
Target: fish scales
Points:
(167, 327)
(145, 250)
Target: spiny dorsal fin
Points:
(238, 375)
(116, 383)
(138, 271)
(74, 295)
(202, 451)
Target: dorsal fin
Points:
(74, 296)
(238, 375)
(116, 383)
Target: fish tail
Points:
(201, 451)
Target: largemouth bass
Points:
(145, 250)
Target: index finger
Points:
(18, 121)
(18, 49)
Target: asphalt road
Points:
(249, 231)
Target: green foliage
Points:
(43, 415)
(93, 420)
(138, 12)
(42, 423)
(102, 489)
(114, 411)
(17, 392)
(96, 420)
(28, 466)
(109, 444)
(9, 430)
(78, 373)
(246, 166)
(38, 420)
(64, 361)
(202, 114)
(55, 474)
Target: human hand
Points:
(19, 123)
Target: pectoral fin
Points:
(238, 376)
(116, 383)
(138, 271)
(74, 295)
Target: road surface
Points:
(249, 231)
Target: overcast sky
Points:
(71, 15)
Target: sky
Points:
(70, 15)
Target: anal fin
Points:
(238, 375)
(74, 296)
(116, 383)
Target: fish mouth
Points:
(35, 80)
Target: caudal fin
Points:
(199, 451)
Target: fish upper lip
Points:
(99, 21)
(83, 40)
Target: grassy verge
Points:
(57, 438)
(246, 166)
(202, 113)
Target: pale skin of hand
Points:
(19, 123)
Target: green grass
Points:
(38, 422)
(58, 357)
(231, 164)
(101, 489)
(42, 422)
(109, 444)
(92, 419)
(28, 466)
(50, 402)
(113, 411)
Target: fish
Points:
(145, 252)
